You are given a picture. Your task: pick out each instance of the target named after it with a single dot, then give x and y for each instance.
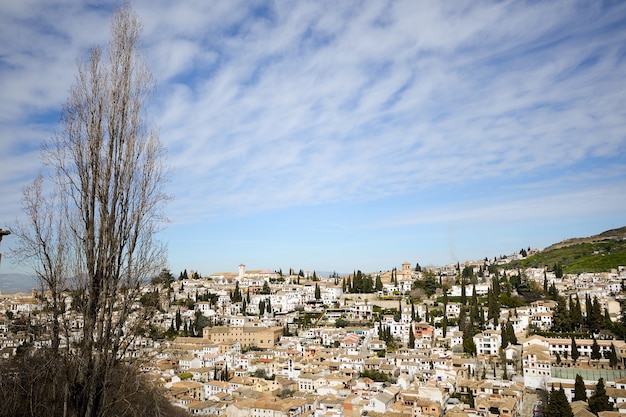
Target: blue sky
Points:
(349, 135)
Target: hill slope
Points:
(599, 253)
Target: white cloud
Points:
(327, 101)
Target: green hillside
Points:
(598, 253)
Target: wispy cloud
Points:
(374, 100)
(266, 105)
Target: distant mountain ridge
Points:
(14, 283)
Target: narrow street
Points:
(529, 400)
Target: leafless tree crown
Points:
(92, 229)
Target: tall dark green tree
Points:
(463, 292)
(596, 320)
(318, 292)
(553, 293)
(179, 320)
(462, 318)
(504, 338)
(495, 286)
(575, 313)
(411, 337)
(580, 391)
(510, 331)
(599, 401)
(444, 321)
(574, 350)
(558, 406)
(613, 360)
(493, 306)
(468, 338)
(357, 282)
(588, 308)
(595, 350)
(558, 270)
(368, 284)
(561, 320)
(622, 323)
(236, 296)
(608, 323)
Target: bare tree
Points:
(43, 244)
(98, 223)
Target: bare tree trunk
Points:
(43, 243)
(98, 225)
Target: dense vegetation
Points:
(36, 384)
(598, 256)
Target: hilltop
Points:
(598, 253)
(613, 234)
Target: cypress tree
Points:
(462, 319)
(580, 392)
(595, 350)
(613, 356)
(511, 333)
(504, 338)
(576, 315)
(495, 287)
(599, 401)
(493, 311)
(562, 318)
(179, 320)
(588, 309)
(463, 293)
(574, 352)
(411, 337)
(596, 320)
(379, 283)
(558, 406)
(474, 306)
(550, 409)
